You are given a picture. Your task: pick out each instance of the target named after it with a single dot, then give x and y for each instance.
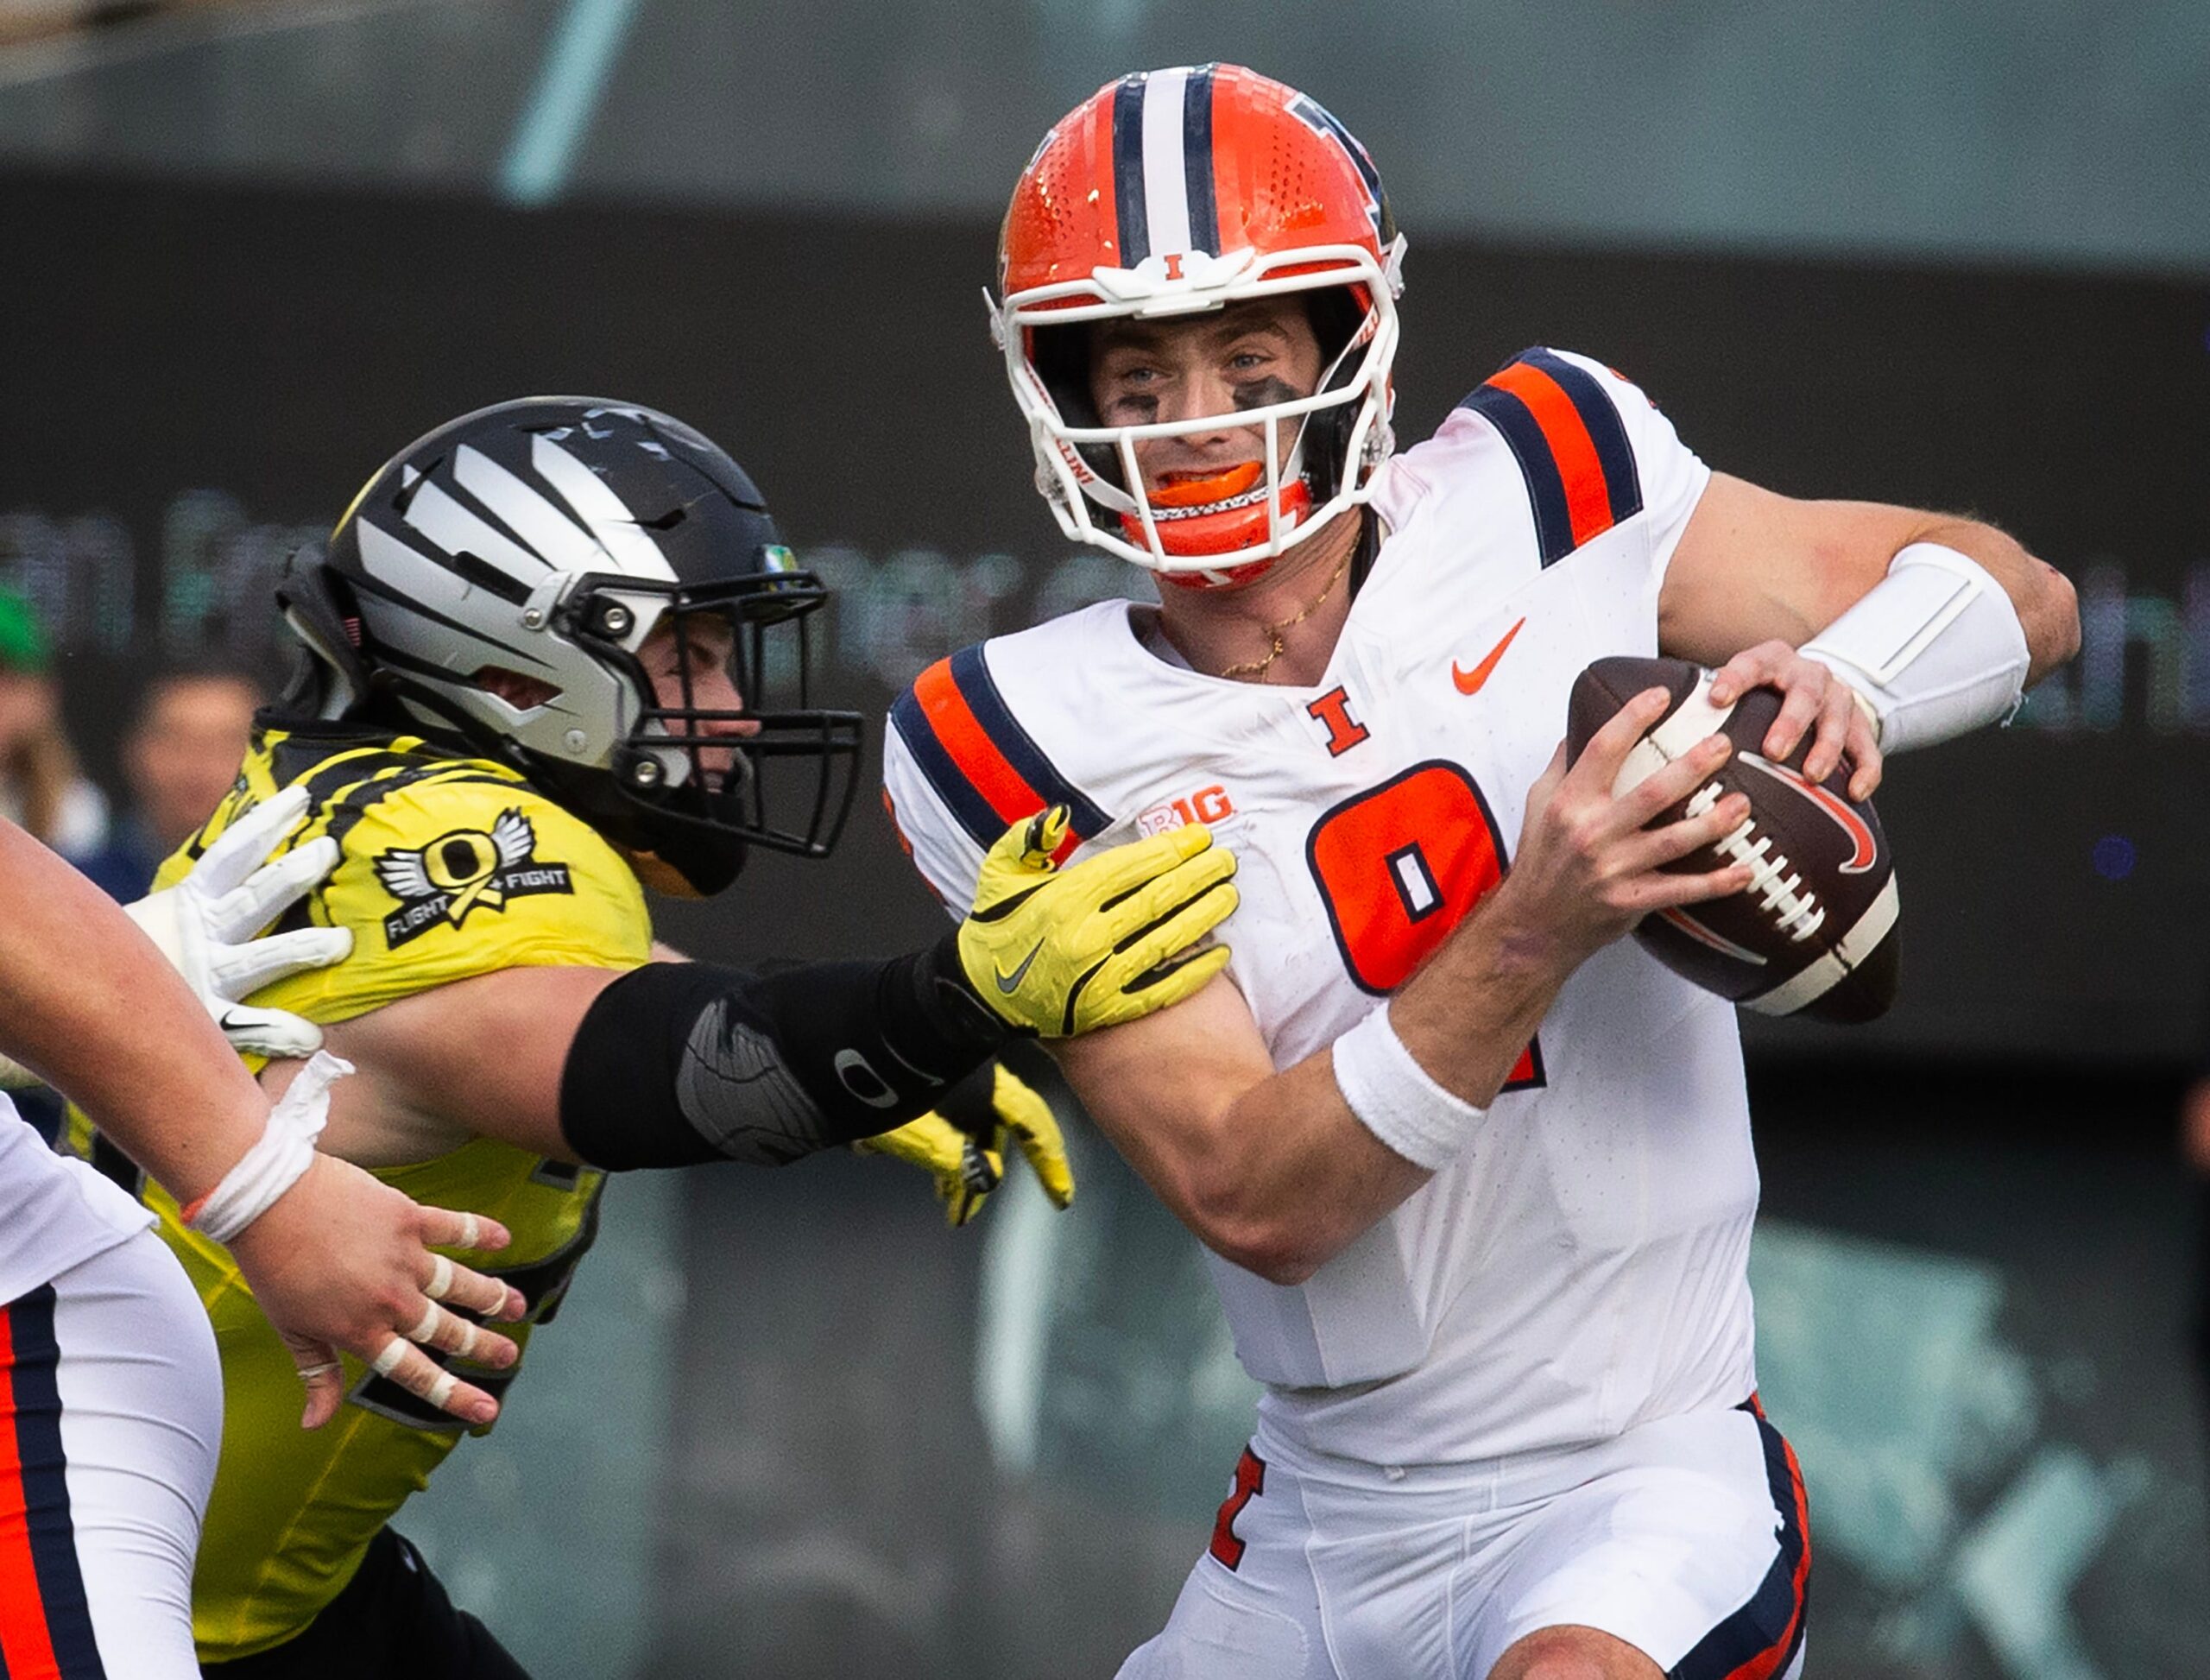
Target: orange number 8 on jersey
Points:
(1399, 865)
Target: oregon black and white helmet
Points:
(496, 583)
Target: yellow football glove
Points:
(1060, 952)
(963, 1147)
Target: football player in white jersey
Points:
(1474, 1172)
(111, 1398)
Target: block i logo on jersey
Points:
(463, 871)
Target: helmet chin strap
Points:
(1224, 529)
(1230, 524)
(678, 760)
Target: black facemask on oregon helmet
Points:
(594, 594)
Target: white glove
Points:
(205, 925)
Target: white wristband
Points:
(1397, 1099)
(275, 1163)
(1935, 648)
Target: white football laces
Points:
(1796, 911)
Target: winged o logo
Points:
(467, 869)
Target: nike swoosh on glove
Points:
(206, 923)
(1057, 951)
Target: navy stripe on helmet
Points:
(1196, 161)
(34, 1373)
(1128, 196)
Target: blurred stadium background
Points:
(1956, 254)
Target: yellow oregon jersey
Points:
(450, 867)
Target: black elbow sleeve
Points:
(679, 1063)
(619, 1106)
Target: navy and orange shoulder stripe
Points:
(1571, 446)
(986, 768)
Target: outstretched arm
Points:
(94, 1010)
(674, 1064)
(339, 1260)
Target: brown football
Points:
(1816, 933)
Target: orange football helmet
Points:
(1170, 193)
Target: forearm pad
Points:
(679, 1063)
(1935, 648)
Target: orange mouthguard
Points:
(1196, 491)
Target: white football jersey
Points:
(1581, 1266)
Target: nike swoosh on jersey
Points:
(1469, 682)
(1010, 983)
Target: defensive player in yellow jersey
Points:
(537, 648)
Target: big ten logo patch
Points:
(1207, 805)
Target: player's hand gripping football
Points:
(1057, 951)
(963, 1145)
(1586, 868)
(1838, 717)
(205, 926)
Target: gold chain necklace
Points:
(1276, 633)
